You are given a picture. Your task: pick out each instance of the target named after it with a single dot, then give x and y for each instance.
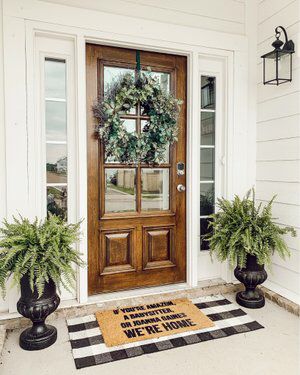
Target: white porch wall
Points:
(219, 15)
(278, 141)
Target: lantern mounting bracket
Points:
(289, 44)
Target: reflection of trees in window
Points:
(207, 202)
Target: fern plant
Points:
(41, 249)
(240, 228)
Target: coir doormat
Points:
(143, 322)
(89, 349)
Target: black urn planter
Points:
(40, 335)
(251, 276)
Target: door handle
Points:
(180, 188)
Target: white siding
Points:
(224, 15)
(278, 141)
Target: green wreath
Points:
(160, 130)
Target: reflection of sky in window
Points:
(55, 153)
(56, 124)
(55, 79)
(113, 73)
(129, 125)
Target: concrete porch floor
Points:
(270, 351)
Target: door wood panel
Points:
(136, 216)
(116, 251)
(159, 247)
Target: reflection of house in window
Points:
(61, 165)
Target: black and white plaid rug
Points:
(88, 347)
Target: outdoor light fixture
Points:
(208, 92)
(277, 64)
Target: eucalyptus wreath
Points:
(160, 131)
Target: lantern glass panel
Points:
(284, 65)
(270, 69)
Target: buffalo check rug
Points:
(89, 349)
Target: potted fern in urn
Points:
(247, 236)
(39, 257)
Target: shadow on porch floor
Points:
(270, 351)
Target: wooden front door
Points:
(136, 215)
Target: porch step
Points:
(204, 288)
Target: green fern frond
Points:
(240, 228)
(41, 249)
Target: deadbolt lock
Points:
(180, 169)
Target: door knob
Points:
(180, 188)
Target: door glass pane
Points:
(167, 152)
(57, 199)
(120, 190)
(130, 126)
(155, 189)
(56, 121)
(112, 74)
(207, 156)
(207, 128)
(55, 79)
(208, 92)
(163, 79)
(207, 198)
(56, 163)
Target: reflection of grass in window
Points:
(145, 196)
(55, 192)
(121, 189)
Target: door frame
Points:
(139, 224)
(22, 26)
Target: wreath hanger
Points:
(138, 61)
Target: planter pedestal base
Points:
(30, 339)
(37, 308)
(253, 303)
(252, 275)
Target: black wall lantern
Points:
(277, 64)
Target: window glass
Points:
(207, 155)
(56, 136)
(207, 199)
(57, 200)
(120, 190)
(207, 128)
(55, 79)
(155, 189)
(208, 95)
(56, 121)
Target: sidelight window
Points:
(56, 136)
(207, 154)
